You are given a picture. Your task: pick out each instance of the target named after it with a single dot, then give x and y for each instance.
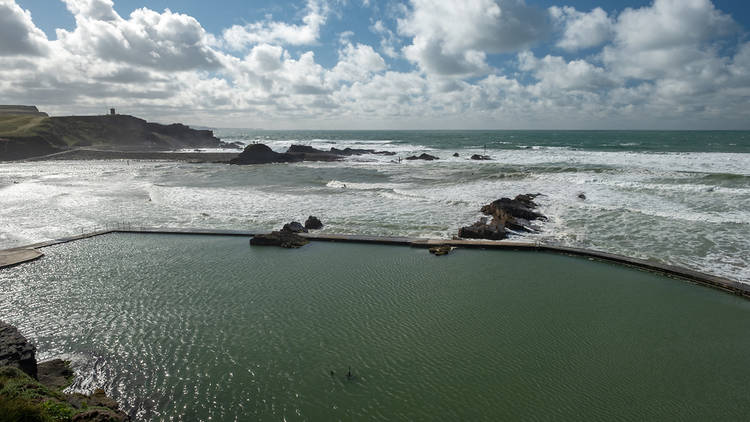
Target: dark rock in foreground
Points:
(284, 239)
(480, 157)
(24, 398)
(313, 223)
(507, 214)
(455, 154)
(423, 156)
(16, 351)
(55, 374)
(262, 154)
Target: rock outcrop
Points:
(287, 237)
(262, 154)
(313, 223)
(294, 227)
(423, 156)
(34, 391)
(279, 238)
(358, 151)
(480, 157)
(506, 214)
(16, 351)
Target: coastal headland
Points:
(25, 133)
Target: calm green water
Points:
(197, 328)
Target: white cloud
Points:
(674, 61)
(357, 63)
(453, 37)
(169, 41)
(555, 75)
(582, 30)
(18, 34)
(102, 10)
(239, 37)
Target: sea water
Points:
(679, 198)
(198, 328)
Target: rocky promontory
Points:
(26, 133)
(504, 214)
(31, 391)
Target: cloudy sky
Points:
(370, 64)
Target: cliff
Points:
(29, 135)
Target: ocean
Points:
(679, 198)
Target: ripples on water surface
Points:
(197, 328)
(676, 197)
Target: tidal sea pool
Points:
(189, 328)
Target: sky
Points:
(390, 64)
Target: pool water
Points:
(193, 328)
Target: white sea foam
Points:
(689, 209)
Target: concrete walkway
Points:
(13, 257)
(28, 253)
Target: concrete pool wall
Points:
(20, 255)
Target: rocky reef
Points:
(423, 156)
(504, 215)
(262, 154)
(31, 391)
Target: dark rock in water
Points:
(294, 227)
(262, 154)
(455, 154)
(16, 351)
(423, 156)
(513, 214)
(581, 195)
(519, 207)
(303, 149)
(358, 151)
(279, 238)
(313, 223)
(483, 230)
(441, 250)
(480, 157)
(55, 374)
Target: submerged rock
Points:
(582, 196)
(294, 227)
(262, 154)
(284, 239)
(16, 351)
(358, 151)
(313, 223)
(423, 156)
(455, 154)
(441, 250)
(507, 214)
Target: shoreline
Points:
(20, 255)
(97, 154)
